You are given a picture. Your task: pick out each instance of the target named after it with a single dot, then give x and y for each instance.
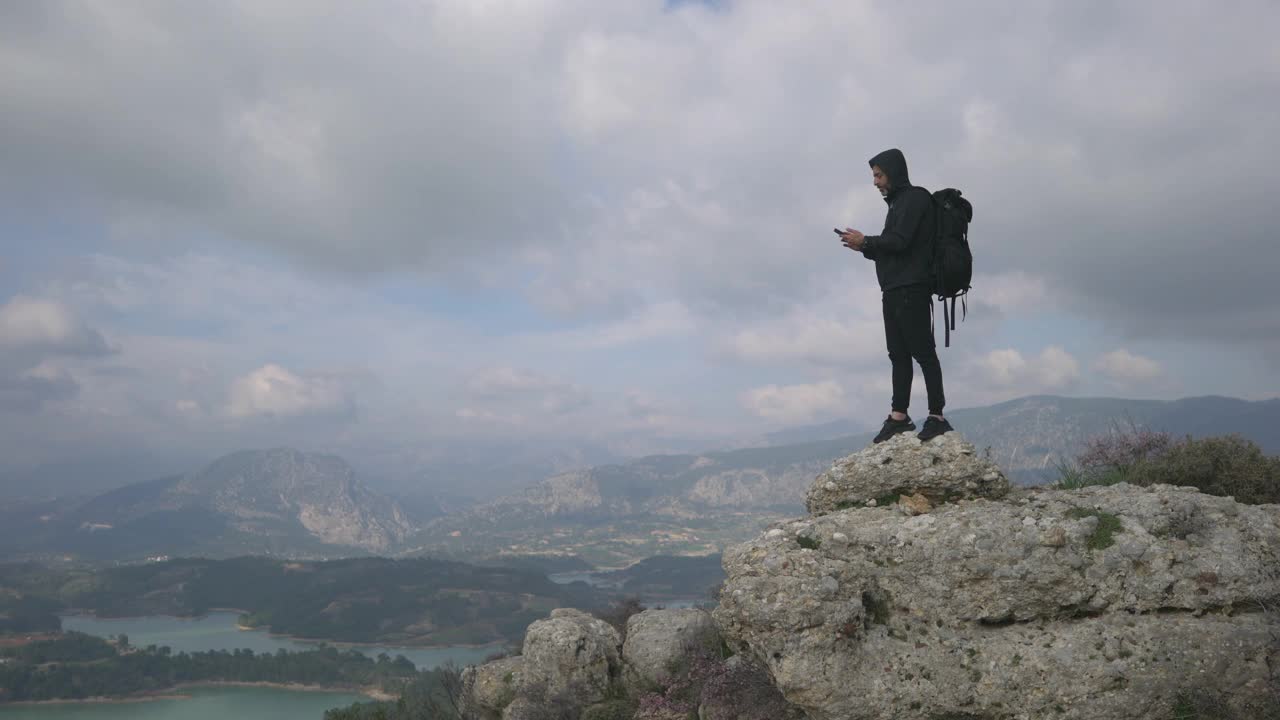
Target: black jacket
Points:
(903, 252)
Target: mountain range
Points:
(688, 503)
(286, 502)
(278, 501)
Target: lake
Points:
(599, 579)
(220, 631)
(212, 703)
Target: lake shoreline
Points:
(373, 693)
(406, 645)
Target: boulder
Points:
(570, 653)
(487, 690)
(659, 643)
(743, 690)
(946, 468)
(1089, 604)
(524, 708)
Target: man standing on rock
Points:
(903, 255)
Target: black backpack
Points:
(952, 260)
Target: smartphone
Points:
(839, 231)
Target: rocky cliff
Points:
(921, 587)
(936, 593)
(725, 497)
(264, 489)
(668, 665)
(280, 500)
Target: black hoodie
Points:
(904, 250)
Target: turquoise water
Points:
(215, 703)
(219, 631)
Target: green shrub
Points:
(1108, 458)
(1104, 534)
(1227, 465)
(808, 543)
(1071, 476)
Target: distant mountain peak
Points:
(278, 500)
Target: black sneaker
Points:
(933, 427)
(893, 427)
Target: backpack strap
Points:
(948, 323)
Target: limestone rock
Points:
(523, 708)
(916, 504)
(572, 653)
(660, 641)
(943, 469)
(1090, 604)
(660, 714)
(744, 692)
(488, 689)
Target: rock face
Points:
(660, 641)
(491, 688)
(945, 468)
(671, 666)
(570, 657)
(571, 651)
(1099, 603)
(283, 499)
(266, 491)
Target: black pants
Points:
(909, 334)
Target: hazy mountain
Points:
(1028, 435)
(287, 502)
(1197, 416)
(669, 494)
(262, 501)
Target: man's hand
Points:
(852, 239)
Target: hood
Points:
(894, 164)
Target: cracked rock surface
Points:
(1098, 603)
(945, 468)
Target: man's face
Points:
(880, 179)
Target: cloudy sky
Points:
(409, 231)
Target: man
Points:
(903, 253)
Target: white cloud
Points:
(659, 186)
(274, 391)
(499, 381)
(188, 408)
(795, 403)
(28, 390)
(1011, 292)
(506, 386)
(1056, 368)
(34, 333)
(658, 321)
(1053, 370)
(33, 325)
(1125, 367)
(810, 339)
(489, 417)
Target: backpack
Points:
(952, 261)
